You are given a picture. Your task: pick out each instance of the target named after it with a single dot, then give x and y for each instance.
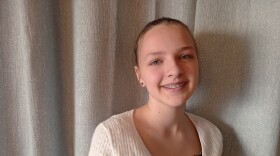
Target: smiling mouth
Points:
(174, 85)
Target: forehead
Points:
(164, 35)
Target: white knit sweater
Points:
(117, 136)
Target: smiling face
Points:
(168, 64)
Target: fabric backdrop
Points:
(67, 65)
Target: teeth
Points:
(174, 85)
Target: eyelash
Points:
(186, 57)
(183, 57)
(155, 62)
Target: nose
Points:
(174, 69)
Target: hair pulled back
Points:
(163, 20)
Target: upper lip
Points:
(174, 83)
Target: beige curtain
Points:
(68, 65)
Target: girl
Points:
(167, 66)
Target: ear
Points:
(138, 74)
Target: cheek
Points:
(152, 77)
(196, 70)
(196, 74)
(194, 66)
(192, 70)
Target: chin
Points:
(178, 101)
(178, 104)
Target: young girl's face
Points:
(168, 64)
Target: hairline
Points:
(150, 26)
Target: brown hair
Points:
(156, 22)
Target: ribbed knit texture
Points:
(118, 136)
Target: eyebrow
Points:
(154, 53)
(186, 48)
(161, 52)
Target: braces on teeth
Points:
(174, 86)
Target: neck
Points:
(166, 119)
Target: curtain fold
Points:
(68, 65)
(94, 44)
(65, 67)
(239, 47)
(29, 81)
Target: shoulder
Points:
(108, 133)
(118, 126)
(101, 143)
(117, 136)
(119, 122)
(210, 136)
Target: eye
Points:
(186, 56)
(155, 62)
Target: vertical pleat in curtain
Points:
(240, 84)
(68, 65)
(33, 120)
